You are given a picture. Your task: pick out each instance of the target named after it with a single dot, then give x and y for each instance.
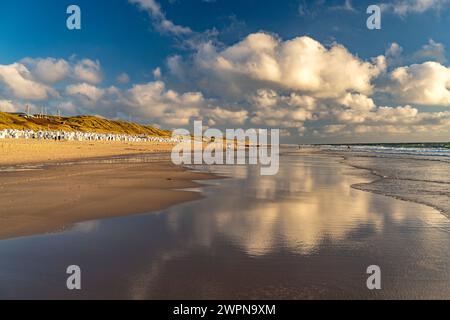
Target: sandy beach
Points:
(19, 151)
(249, 237)
(56, 196)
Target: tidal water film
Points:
(302, 234)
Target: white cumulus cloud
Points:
(48, 70)
(425, 84)
(88, 70)
(88, 93)
(19, 80)
(301, 64)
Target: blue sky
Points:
(115, 30)
(310, 68)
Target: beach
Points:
(19, 151)
(136, 235)
(50, 197)
(66, 201)
(224, 151)
(417, 175)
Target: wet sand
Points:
(302, 234)
(417, 178)
(54, 197)
(14, 151)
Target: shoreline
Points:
(79, 186)
(60, 195)
(379, 178)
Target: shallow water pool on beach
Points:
(302, 234)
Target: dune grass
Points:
(78, 123)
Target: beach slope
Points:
(21, 151)
(52, 199)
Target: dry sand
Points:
(14, 151)
(40, 201)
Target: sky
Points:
(312, 69)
